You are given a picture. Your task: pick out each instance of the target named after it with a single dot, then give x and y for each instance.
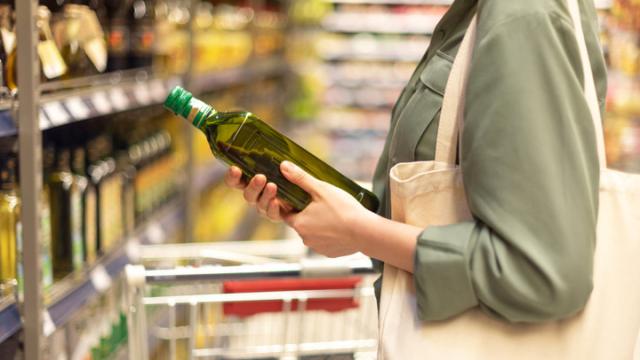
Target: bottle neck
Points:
(199, 113)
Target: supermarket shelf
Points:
(70, 294)
(93, 97)
(220, 79)
(371, 56)
(209, 174)
(394, 2)
(382, 23)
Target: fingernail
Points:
(288, 166)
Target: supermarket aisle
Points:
(122, 177)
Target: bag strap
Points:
(452, 112)
(589, 83)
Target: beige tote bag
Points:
(431, 193)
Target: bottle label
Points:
(96, 50)
(53, 65)
(90, 213)
(77, 253)
(45, 247)
(142, 39)
(118, 39)
(8, 39)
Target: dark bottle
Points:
(118, 34)
(243, 140)
(89, 206)
(7, 36)
(141, 17)
(66, 218)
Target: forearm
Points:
(386, 240)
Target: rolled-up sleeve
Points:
(530, 171)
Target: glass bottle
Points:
(117, 35)
(7, 35)
(243, 140)
(88, 195)
(66, 218)
(81, 40)
(52, 65)
(141, 18)
(48, 159)
(10, 227)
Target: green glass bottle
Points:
(89, 210)
(243, 140)
(9, 225)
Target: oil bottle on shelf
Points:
(243, 140)
(88, 196)
(10, 228)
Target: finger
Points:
(233, 178)
(289, 218)
(268, 194)
(255, 187)
(299, 177)
(273, 210)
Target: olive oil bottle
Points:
(48, 160)
(66, 218)
(243, 140)
(89, 214)
(10, 228)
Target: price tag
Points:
(48, 327)
(141, 93)
(100, 279)
(155, 233)
(101, 102)
(77, 108)
(119, 99)
(158, 91)
(44, 122)
(56, 113)
(132, 249)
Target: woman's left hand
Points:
(329, 223)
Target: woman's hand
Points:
(334, 223)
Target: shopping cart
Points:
(308, 309)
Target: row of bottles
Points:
(94, 194)
(82, 37)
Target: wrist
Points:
(361, 225)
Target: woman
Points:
(529, 166)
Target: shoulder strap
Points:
(453, 102)
(589, 83)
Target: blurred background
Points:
(324, 72)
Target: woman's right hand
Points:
(258, 193)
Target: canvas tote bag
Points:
(431, 193)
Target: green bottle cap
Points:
(179, 101)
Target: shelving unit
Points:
(40, 107)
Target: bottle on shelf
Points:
(243, 140)
(171, 48)
(52, 65)
(81, 39)
(88, 195)
(141, 19)
(48, 160)
(10, 227)
(7, 35)
(66, 217)
(117, 34)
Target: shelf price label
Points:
(119, 99)
(48, 326)
(42, 119)
(101, 102)
(141, 93)
(56, 113)
(78, 108)
(100, 279)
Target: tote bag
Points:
(428, 193)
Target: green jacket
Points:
(529, 163)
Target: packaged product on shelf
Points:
(10, 228)
(81, 40)
(48, 160)
(243, 140)
(52, 65)
(88, 203)
(117, 35)
(172, 36)
(7, 35)
(141, 35)
(66, 217)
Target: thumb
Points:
(299, 177)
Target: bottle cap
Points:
(178, 101)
